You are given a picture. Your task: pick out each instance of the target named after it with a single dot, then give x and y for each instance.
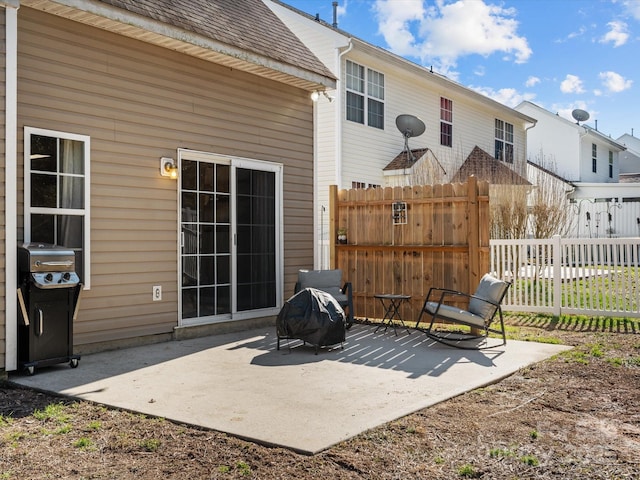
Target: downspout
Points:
(11, 180)
(338, 115)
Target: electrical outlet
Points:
(157, 293)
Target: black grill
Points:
(49, 294)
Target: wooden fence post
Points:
(333, 224)
(474, 232)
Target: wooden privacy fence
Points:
(404, 240)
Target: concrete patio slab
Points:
(240, 384)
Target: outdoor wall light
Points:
(168, 167)
(315, 95)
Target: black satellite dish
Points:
(409, 126)
(580, 115)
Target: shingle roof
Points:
(246, 24)
(484, 166)
(403, 160)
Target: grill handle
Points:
(40, 326)
(61, 263)
(23, 308)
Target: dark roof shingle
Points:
(485, 167)
(246, 24)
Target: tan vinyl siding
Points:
(138, 103)
(3, 223)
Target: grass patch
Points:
(150, 444)
(530, 460)
(5, 421)
(83, 443)
(468, 471)
(243, 468)
(94, 425)
(53, 412)
(501, 452)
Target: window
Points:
(358, 90)
(594, 158)
(446, 121)
(355, 185)
(504, 141)
(56, 192)
(610, 164)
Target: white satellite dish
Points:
(409, 126)
(580, 115)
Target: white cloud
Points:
(395, 20)
(565, 110)
(571, 84)
(506, 96)
(632, 7)
(531, 81)
(448, 30)
(614, 82)
(617, 34)
(480, 71)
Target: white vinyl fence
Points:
(585, 276)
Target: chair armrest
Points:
(485, 300)
(347, 287)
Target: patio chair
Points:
(329, 281)
(477, 317)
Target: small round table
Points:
(391, 304)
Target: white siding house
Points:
(356, 133)
(578, 153)
(590, 164)
(630, 158)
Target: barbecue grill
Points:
(48, 295)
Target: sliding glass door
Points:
(230, 228)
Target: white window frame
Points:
(370, 87)
(84, 212)
(504, 134)
(446, 121)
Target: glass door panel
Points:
(206, 235)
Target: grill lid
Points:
(45, 257)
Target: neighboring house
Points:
(575, 152)
(357, 138)
(589, 164)
(630, 158)
(222, 90)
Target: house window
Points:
(358, 185)
(446, 121)
(610, 164)
(360, 89)
(56, 192)
(504, 141)
(594, 158)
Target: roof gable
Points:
(482, 165)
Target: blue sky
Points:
(559, 54)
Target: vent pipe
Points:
(335, 14)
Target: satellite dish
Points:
(580, 115)
(409, 126)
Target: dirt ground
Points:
(576, 416)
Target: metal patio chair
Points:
(476, 318)
(329, 281)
